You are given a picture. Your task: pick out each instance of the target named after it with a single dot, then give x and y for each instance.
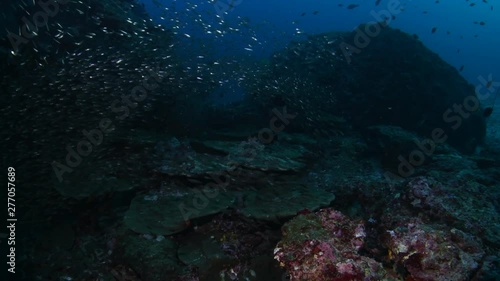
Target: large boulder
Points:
(390, 79)
(429, 253)
(325, 246)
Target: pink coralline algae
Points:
(424, 193)
(431, 254)
(323, 246)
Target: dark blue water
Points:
(459, 38)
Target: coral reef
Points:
(166, 195)
(430, 253)
(325, 246)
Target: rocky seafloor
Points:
(296, 209)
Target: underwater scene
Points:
(250, 140)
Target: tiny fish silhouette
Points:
(488, 111)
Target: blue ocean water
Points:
(459, 39)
